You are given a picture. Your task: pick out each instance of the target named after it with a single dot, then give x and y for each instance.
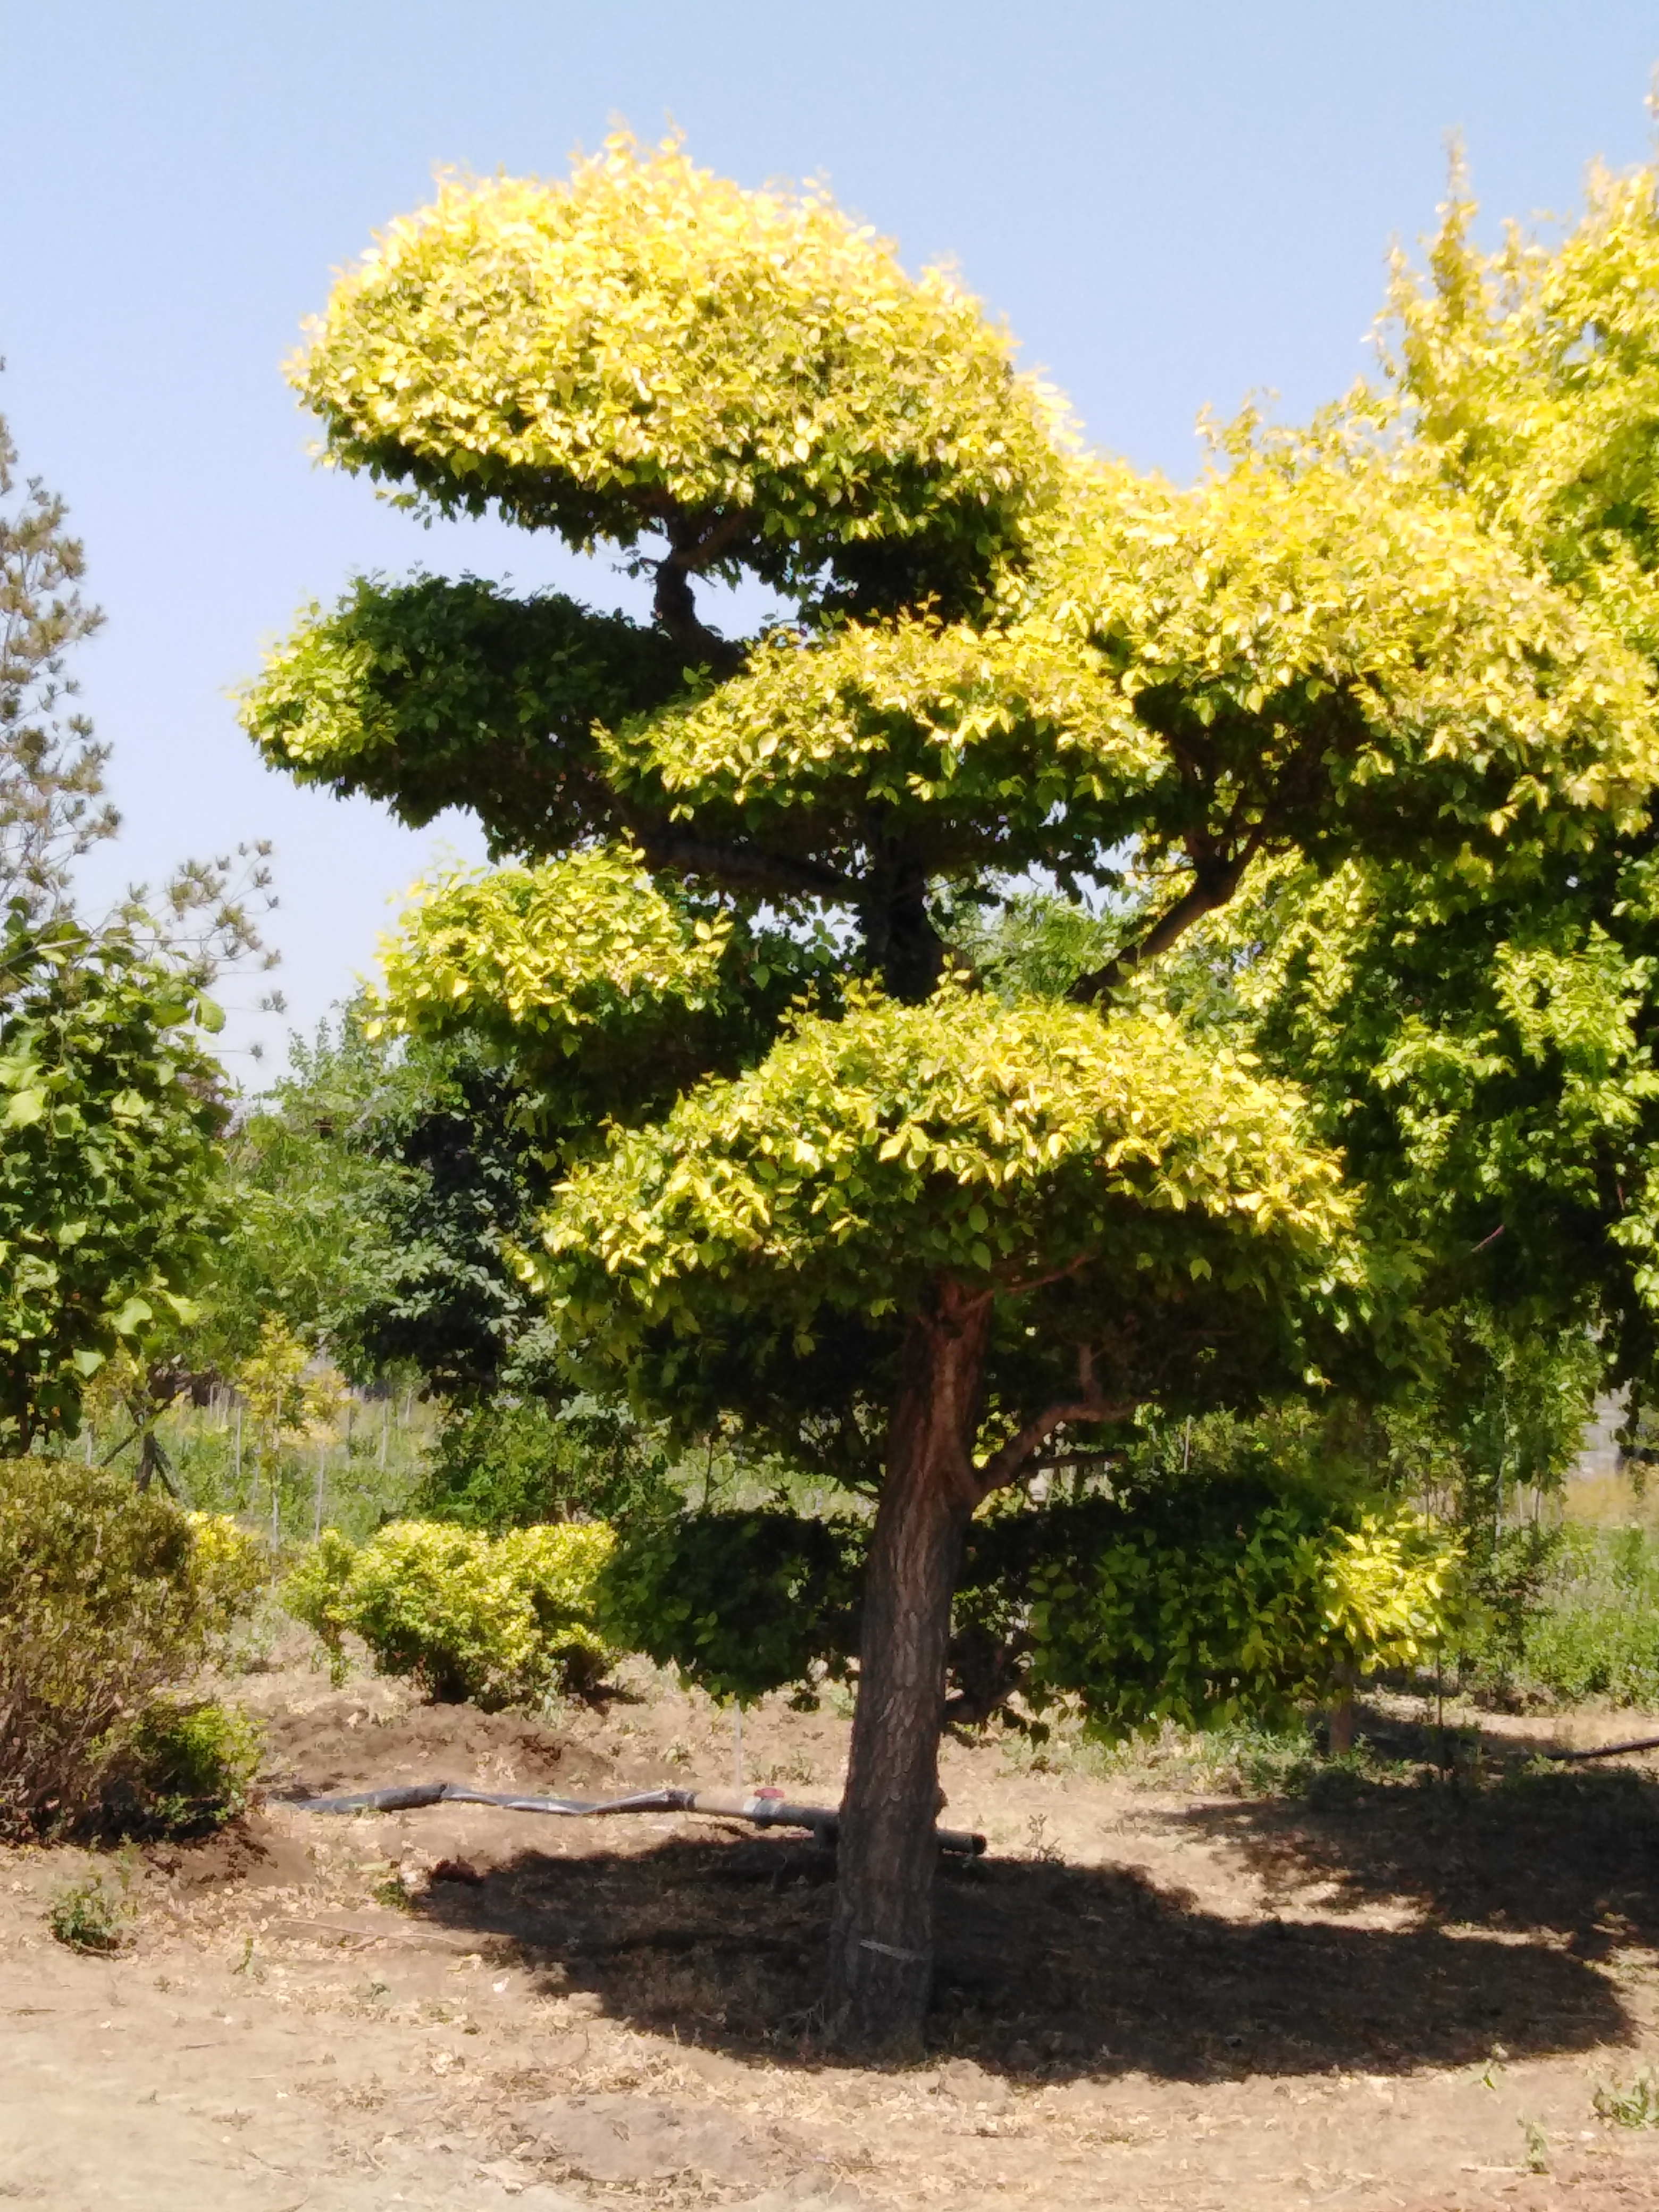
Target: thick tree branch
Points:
(1003, 1466)
(1065, 1462)
(1020, 1290)
(693, 547)
(734, 867)
(901, 944)
(1214, 882)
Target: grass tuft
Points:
(85, 1915)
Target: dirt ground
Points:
(1154, 1991)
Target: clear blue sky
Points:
(1173, 204)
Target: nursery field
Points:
(1203, 1979)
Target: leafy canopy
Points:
(649, 338)
(1478, 1037)
(719, 966)
(866, 1154)
(1531, 376)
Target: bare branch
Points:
(1003, 1466)
(693, 549)
(1213, 884)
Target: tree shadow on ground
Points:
(1043, 1968)
(1566, 1853)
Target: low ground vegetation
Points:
(111, 1598)
(1565, 1614)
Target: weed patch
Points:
(1633, 2105)
(87, 1916)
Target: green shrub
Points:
(1209, 1604)
(510, 1464)
(1198, 1604)
(1587, 1650)
(739, 1602)
(1504, 1586)
(107, 1597)
(492, 1620)
(315, 1593)
(192, 1764)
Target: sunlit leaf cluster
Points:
(435, 693)
(1531, 374)
(609, 988)
(559, 948)
(993, 747)
(650, 340)
(1332, 648)
(866, 1155)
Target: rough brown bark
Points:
(881, 1940)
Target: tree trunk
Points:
(881, 1941)
(153, 1461)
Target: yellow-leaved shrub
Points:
(491, 1621)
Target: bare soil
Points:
(1154, 1991)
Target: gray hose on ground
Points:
(766, 1809)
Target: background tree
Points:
(810, 1175)
(1480, 1040)
(291, 1395)
(111, 1112)
(51, 769)
(111, 1106)
(1529, 376)
(375, 1195)
(53, 808)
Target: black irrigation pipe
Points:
(766, 1809)
(1608, 1750)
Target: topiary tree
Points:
(811, 1176)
